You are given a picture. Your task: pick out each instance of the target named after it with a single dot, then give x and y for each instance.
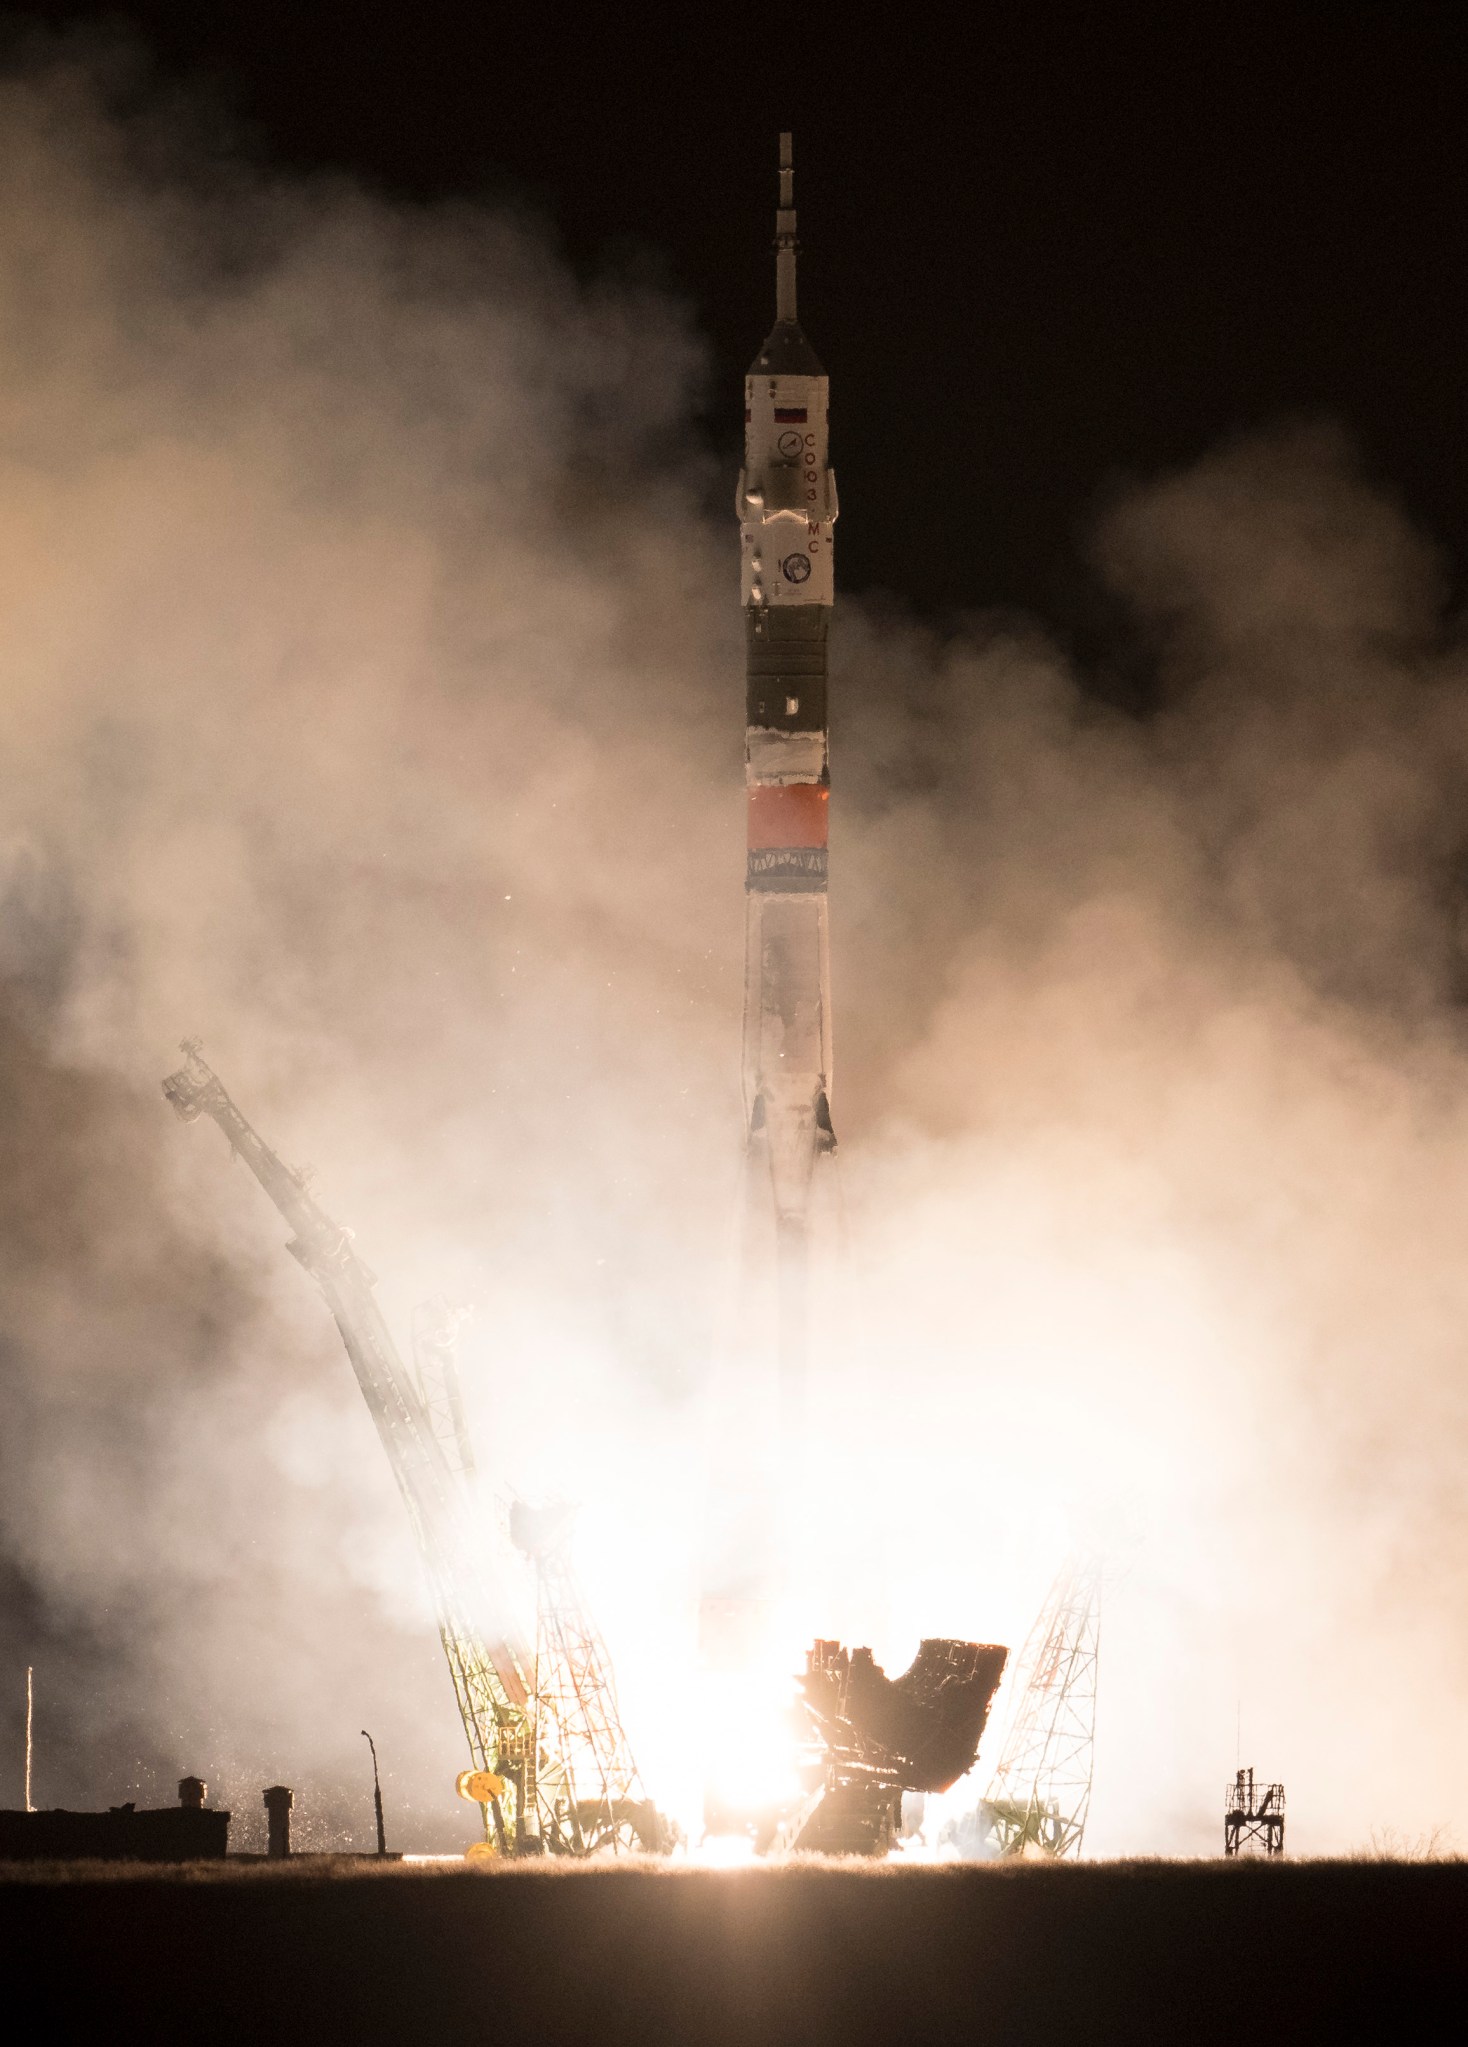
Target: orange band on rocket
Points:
(788, 814)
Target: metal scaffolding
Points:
(1253, 1817)
(1040, 1793)
(525, 1758)
(591, 1797)
(436, 1326)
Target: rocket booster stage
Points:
(786, 504)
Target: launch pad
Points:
(873, 1738)
(862, 1741)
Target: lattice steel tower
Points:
(597, 1801)
(1253, 1817)
(1040, 1793)
(532, 1721)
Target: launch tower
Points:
(1040, 1795)
(786, 503)
(551, 1764)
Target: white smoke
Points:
(372, 707)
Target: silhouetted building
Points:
(186, 1832)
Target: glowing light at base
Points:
(748, 1738)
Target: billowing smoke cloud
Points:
(370, 660)
(351, 723)
(1176, 1136)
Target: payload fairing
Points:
(786, 502)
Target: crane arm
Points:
(196, 1090)
(490, 1669)
(436, 1326)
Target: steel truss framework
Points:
(1040, 1793)
(436, 1326)
(591, 1797)
(1253, 1817)
(527, 1720)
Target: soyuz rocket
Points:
(786, 505)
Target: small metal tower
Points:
(1040, 1793)
(1253, 1817)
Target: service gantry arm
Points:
(492, 1671)
(436, 1326)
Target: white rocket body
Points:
(786, 503)
(786, 506)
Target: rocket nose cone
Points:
(786, 353)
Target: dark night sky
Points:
(1044, 251)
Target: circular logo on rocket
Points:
(796, 567)
(790, 446)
